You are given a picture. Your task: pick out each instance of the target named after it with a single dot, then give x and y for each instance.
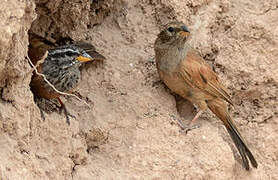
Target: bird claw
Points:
(188, 128)
(67, 114)
(42, 114)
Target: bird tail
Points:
(219, 108)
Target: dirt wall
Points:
(130, 130)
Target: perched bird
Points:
(60, 67)
(186, 73)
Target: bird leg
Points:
(196, 116)
(42, 114)
(191, 125)
(63, 107)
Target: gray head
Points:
(173, 33)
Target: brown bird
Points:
(60, 67)
(186, 73)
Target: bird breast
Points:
(64, 77)
(168, 60)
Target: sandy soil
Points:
(130, 130)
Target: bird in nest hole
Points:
(61, 67)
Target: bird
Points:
(187, 74)
(61, 66)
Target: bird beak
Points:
(84, 58)
(184, 33)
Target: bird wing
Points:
(37, 47)
(198, 74)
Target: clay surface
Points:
(130, 130)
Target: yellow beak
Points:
(83, 59)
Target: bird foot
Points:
(42, 114)
(189, 127)
(67, 114)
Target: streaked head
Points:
(68, 53)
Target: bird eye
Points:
(170, 29)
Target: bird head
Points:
(173, 33)
(73, 55)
